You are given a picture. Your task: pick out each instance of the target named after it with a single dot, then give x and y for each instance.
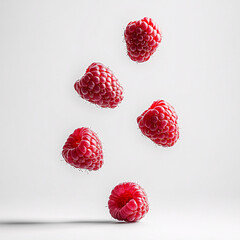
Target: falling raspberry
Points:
(100, 86)
(142, 39)
(128, 202)
(83, 149)
(159, 123)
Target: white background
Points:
(193, 187)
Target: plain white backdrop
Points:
(193, 187)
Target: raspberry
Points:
(159, 123)
(142, 38)
(83, 149)
(100, 86)
(128, 202)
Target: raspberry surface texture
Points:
(100, 86)
(159, 123)
(142, 38)
(128, 202)
(83, 149)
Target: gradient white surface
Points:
(193, 187)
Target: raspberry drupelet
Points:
(159, 123)
(100, 86)
(128, 202)
(142, 39)
(83, 149)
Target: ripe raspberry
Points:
(100, 86)
(83, 149)
(142, 38)
(128, 202)
(159, 123)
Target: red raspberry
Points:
(83, 149)
(128, 202)
(142, 39)
(100, 86)
(159, 123)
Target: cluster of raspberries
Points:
(83, 149)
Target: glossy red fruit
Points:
(128, 202)
(100, 86)
(159, 123)
(142, 38)
(83, 149)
